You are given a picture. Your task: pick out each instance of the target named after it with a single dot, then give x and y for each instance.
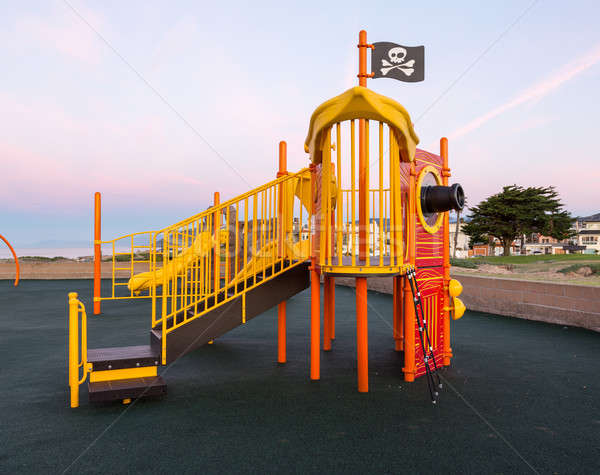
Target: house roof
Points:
(590, 231)
(593, 217)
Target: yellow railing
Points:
(77, 353)
(378, 228)
(222, 253)
(128, 257)
(348, 242)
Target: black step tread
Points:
(122, 357)
(126, 388)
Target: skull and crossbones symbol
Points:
(396, 61)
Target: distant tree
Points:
(516, 211)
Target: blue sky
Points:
(76, 119)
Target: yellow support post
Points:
(74, 348)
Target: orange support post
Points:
(97, 251)
(362, 335)
(398, 314)
(216, 251)
(446, 247)
(315, 287)
(281, 308)
(409, 309)
(315, 323)
(328, 310)
(281, 333)
(17, 269)
(332, 307)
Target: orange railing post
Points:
(281, 223)
(17, 269)
(409, 309)
(97, 252)
(362, 335)
(446, 247)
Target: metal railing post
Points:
(74, 348)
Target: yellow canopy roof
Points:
(361, 103)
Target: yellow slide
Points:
(201, 246)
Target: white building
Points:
(588, 233)
(462, 241)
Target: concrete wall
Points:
(563, 304)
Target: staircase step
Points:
(103, 359)
(126, 389)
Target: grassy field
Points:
(548, 258)
(567, 268)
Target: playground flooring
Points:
(520, 397)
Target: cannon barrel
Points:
(437, 199)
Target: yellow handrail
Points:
(244, 235)
(76, 362)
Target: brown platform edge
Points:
(125, 357)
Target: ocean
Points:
(70, 252)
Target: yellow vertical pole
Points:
(446, 248)
(381, 198)
(324, 251)
(353, 191)
(254, 234)
(366, 214)
(339, 200)
(217, 250)
(73, 348)
(393, 223)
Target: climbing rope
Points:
(428, 354)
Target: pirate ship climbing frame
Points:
(370, 204)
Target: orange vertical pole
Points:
(362, 335)
(97, 251)
(446, 247)
(332, 307)
(328, 310)
(409, 310)
(315, 286)
(398, 314)
(363, 186)
(281, 308)
(216, 250)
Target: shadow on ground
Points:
(231, 408)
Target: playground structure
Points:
(344, 215)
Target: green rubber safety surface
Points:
(520, 396)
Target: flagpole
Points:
(362, 334)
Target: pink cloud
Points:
(64, 31)
(536, 92)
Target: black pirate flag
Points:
(405, 63)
